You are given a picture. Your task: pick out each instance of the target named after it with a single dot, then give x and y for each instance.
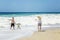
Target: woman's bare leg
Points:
(38, 28)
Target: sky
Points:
(29, 5)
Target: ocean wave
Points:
(30, 20)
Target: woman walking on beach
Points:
(12, 23)
(39, 23)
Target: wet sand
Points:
(50, 34)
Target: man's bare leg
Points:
(13, 28)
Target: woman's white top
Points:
(39, 21)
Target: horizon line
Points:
(39, 12)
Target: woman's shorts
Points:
(39, 24)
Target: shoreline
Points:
(50, 34)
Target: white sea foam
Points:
(30, 20)
(29, 25)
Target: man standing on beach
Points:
(12, 23)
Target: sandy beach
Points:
(50, 34)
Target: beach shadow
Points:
(42, 30)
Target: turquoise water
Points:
(10, 14)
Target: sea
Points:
(10, 14)
(29, 17)
(50, 20)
